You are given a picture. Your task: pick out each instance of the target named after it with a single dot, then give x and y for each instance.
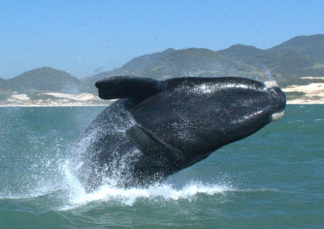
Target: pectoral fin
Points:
(153, 147)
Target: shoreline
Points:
(305, 103)
(58, 104)
(70, 105)
(291, 102)
(311, 94)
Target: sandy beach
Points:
(312, 93)
(55, 100)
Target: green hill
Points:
(45, 79)
(311, 46)
(287, 63)
(134, 67)
(283, 65)
(176, 63)
(197, 62)
(139, 64)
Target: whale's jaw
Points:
(278, 98)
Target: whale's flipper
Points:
(153, 147)
(127, 87)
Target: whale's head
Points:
(203, 114)
(197, 115)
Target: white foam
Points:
(130, 196)
(277, 116)
(76, 195)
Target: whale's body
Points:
(157, 128)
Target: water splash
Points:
(109, 191)
(78, 197)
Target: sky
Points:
(86, 37)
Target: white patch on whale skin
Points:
(204, 88)
(207, 88)
(247, 117)
(277, 116)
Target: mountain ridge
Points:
(312, 46)
(293, 62)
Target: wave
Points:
(130, 196)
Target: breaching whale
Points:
(157, 128)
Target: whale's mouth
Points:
(278, 100)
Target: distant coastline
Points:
(304, 102)
(306, 94)
(53, 100)
(292, 102)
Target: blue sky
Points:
(87, 37)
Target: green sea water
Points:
(272, 179)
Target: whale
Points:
(155, 128)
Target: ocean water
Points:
(272, 179)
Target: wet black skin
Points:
(167, 126)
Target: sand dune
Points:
(314, 93)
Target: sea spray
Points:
(157, 192)
(110, 191)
